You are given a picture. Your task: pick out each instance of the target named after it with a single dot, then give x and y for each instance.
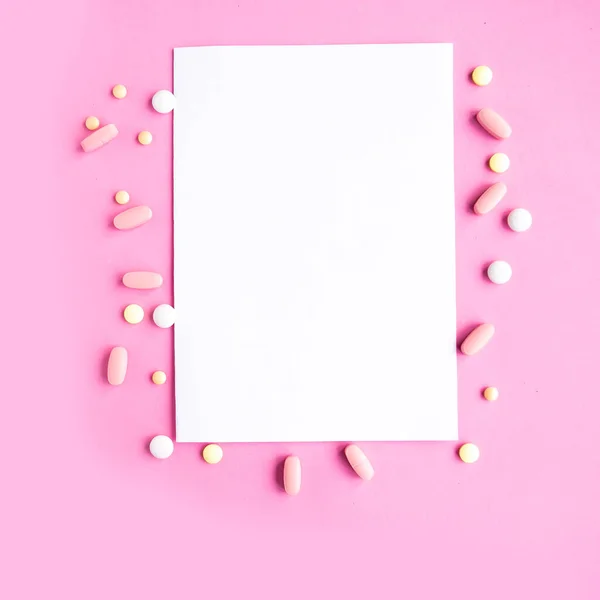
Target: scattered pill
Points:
(159, 377)
(499, 162)
(359, 462)
(121, 197)
(133, 314)
(92, 123)
(494, 124)
(482, 75)
(163, 101)
(292, 475)
(117, 366)
(161, 446)
(164, 316)
(499, 272)
(99, 138)
(519, 219)
(469, 453)
(477, 339)
(144, 138)
(119, 91)
(212, 454)
(142, 280)
(491, 394)
(132, 217)
(490, 198)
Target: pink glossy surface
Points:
(93, 516)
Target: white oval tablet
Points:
(164, 315)
(161, 446)
(519, 219)
(163, 101)
(499, 272)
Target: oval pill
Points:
(499, 162)
(99, 138)
(161, 446)
(477, 339)
(469, 453)
(491, 394)
(132, 217)
(212, 454)
(490, 198)
(482, 75)
(92, 123)
(117, 366)
(142, 280)
(494, 124)
(144, 138)
(292, 475)
(359, 462)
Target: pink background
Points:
(88, 514)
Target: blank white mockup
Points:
(314, 243)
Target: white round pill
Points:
(519, 219)
(164, 316)
(163, 101)
(161, 446)
(499, 271)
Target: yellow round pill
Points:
(499, 162)
(491, 394)
(469, 453)
(121, 197)
(144, 138)
(133, 313)
(92, 123)
(212, 454)
(119, 91)
(159, 377)
(482, 75)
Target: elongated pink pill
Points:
(359, 462)
(494, 124)
(490, 198)
(477, 339)
(117, 366)
(292, 475)
(99, 138)
(132, 217)
(142, 280)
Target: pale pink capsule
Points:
(132, 217)
(99, 138)
(490, 198)
(494, 124)
(117, 366)
(142, 280)
(477, 339)
(359, 462)
(292, 475)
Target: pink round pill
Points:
(477, 339)
(359, 462)
(117, 366)
(99, 138)
(490, 198)
(292, 475)
(132, 217)
(494, 124)
(142, 280)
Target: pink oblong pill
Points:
(359, 462)
(117, 366)
(494, 124)
(99, 138)
(477, 339)
(490, 198)
(132, 217)
(292, 475)
(142, 280)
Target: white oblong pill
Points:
(163, 102)
(164, 316)
(519, 219)
(499, 272)
(161, 446)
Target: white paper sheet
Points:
(314, 243)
